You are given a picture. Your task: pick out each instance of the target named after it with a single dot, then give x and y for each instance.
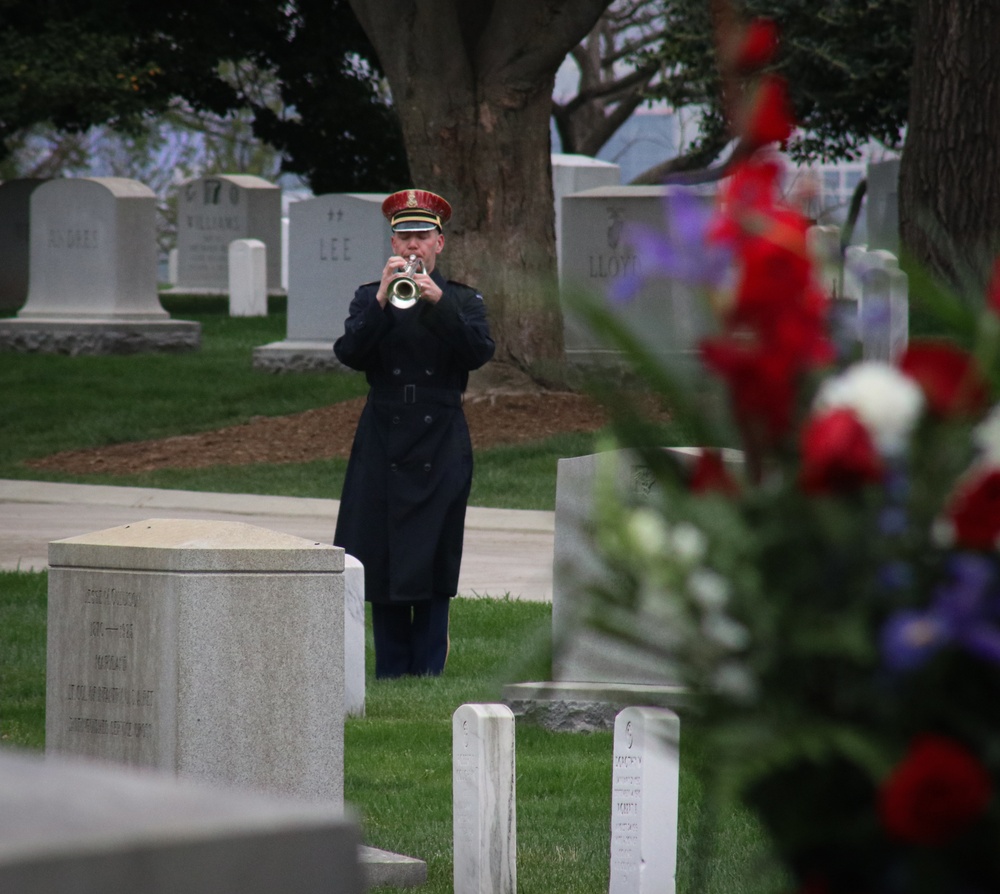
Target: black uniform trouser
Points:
(410, 637)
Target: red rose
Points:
(993, 289)
(975, 511)
(837, 453)
(761, 382)
(936, 793)
(758, 46)
(770, 118)
(948, 376)
(709, 474)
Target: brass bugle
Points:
(404, 290)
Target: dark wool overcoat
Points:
(402, 510)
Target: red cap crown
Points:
(416, 209)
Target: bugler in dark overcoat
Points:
(408, 478)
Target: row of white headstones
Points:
(644, 809)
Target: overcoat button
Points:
(392, 467)
(428, 419)
(395, 420)
(427, 467)
(397, 371)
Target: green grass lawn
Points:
(56, 402)
(397, 773)
(398, 757)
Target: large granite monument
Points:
(93, 273)
(210, 649)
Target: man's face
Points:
(425, 244)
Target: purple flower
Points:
(965, 613)
(681, 251)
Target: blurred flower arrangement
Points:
(833, 601)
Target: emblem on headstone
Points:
(616, 221)
(642, 480)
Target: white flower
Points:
(709, 589)
(986, 436)
(724, 631)
(647, 532)
(734, 680)
(689, 544)
(887, 402)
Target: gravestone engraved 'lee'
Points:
(644, 791)
(483, 797)
(212, 212)
(93, 273)
(336, 242)
(210, 649)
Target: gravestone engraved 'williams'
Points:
(212, 212)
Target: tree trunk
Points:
(949, 189)
(472, 83)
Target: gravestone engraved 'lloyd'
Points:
(336, 242)
(93, 273)
(214, 650)
(15, 248)
(668, 316)
(483, 797)
(644, 790)
(212, 212)
(577, 173)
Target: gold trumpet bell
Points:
(404, 290)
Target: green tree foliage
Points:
(847, 63)
(304, 70)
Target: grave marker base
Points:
(98, 336)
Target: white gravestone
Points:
(212, 212)
(336, 242)
(483, 795)
(15, 216)
(214, 650)
(577, 173)
(667, 316)
(78, 826)
(354, 637)
(882, 205)
(93, 273)
(247, 278)
(872, 278)
(644, 790)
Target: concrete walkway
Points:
(506, 550)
